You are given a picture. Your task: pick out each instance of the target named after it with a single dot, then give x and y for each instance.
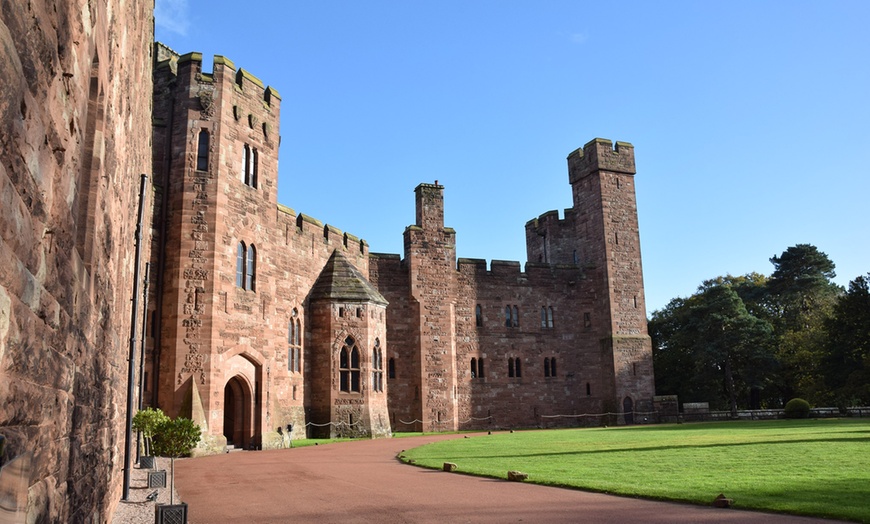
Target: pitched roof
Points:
(341, 280)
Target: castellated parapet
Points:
(259, 317)
(601, 155)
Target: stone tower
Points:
(348, 344)
(215, 166)
(430, 253)
(605, 213)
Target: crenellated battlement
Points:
(314, 228)
(601, 154)
(188, 67)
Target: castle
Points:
(259, 318)
(264, 318)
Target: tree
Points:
(709, 347)
(801, 297)
(147, 421)
(847, 361)
(173, 439)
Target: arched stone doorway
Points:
(238, 412)
(628, 410)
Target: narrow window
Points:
(519, 369)
(294, 392)
(635, 301)
(354, 370)
(348, 367)
(245, 162)
(480, 368)
(575, 257)
(510, 368)
(546, 366)
(341, 312)
(587, 320)
(240, 265)
(516, 317)
(392, 368)
(251, 269)
(478, 316)
(507, 316)
(255, 169)
(202, 151)
(588, 390)
(550, 317)
(343, 370)
(553, 367)
(377, 367)
(543, 317)
(473, 368)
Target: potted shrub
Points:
(173, 439)
(146, 422)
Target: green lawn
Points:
(806, 467)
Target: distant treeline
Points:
(755, 342)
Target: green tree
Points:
(847, 360)
(173, 439)
(147, 421)
(709, 347)
(801, 298)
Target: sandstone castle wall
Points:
(74, 135)
(260, 318)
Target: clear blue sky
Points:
(750, 119)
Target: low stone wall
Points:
(773, 414)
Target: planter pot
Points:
(146, 462)
(157, 479)
(170, 513)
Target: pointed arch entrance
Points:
(238, 412)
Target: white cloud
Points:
(172, 16)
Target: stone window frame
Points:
(251, 269)
(241, 256)
(478, 316)
(547, 317)
(477, 368)
(511, 316)
(246, 266)
(202, 153)
(515, 367)
(349, 366)
(377, 367)
(250, 166)
(294, 342)
(550, 367)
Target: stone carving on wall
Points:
(206, 103)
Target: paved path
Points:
(364, 482)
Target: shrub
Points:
(797, 408)
(147, 421)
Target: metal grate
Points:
(171, 514)
(157, 479)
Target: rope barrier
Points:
(600, 414)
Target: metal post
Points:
(142, 350)
(131, 359)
